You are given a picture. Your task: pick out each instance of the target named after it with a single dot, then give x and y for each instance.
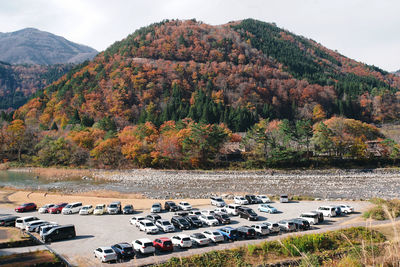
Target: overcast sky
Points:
(366, 30)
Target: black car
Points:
(222, 218)
(194, 221)
(300, 224)
(180, 222)
(60, 233)
(124, 250)
(246, 232)
(153, 217)
(247, 213)
(128, 209)
(170, 206)
(251, 199)
(182, 213)
(8, 220)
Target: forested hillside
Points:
(171, 94)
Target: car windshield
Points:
(113, 206)
(216, 233)
(251, 212)
(224, 216)
(199, 236)
(210, 218)
(264, 227)
(68, 206)
(183, 221)
(85, 208)
(108, 251)
(233, 232)
(128, 207)
(156, 206)
(185, 204)
(149, 224)
(99, 207)
(26, 204)
(165, 223)
(186, 239)
(167, 243)
(148, 244)
(128, 249)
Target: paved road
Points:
(94, 231)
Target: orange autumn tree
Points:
(87, 138)
(15, 137)
(107, 152)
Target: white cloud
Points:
(366, 30)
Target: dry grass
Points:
(10, 234)
(55, 172)
(36, 258)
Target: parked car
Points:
(148, 227)
(128, 209)
(72, 208)
(232, 209)
(170, 206)
(86, 210)
(194, 221)
(267, 208)
(311, 217)
(346, 208)
(105, 254)
(45, 228)
(123, 250)
(182, 241)
(222, 218)
(26, 207)
(8, 220)
(207, 212)
(214, 236)
(163, 244)
(114, 208)
(100, 209)
(261, 229)
(180, 222)
(209, 220)
(199, 239)
(338, 210)
(144, 246)
(182, 213)
(135, 220)
(59, 233)
(272, 227)
(251, 199)
(327, 211)
(284, 199)
(247, 213)
(217, 201)
(221, 210)
(320, 215)
(263, 199)
(21, 222)
(240, 200)
(155, 208)
(229, 233)
(45, 208)
(31, 226)
(194, 212)
(286, 226)
(300, 224)
(57, 208)
(246, 232)
(153, 217)
(184, 206)
(165, 226)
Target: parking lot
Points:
(105, 230)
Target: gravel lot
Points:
(94, 231)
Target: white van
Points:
(21, 222)
(232, 209)
(72, 208)
(284, 199)
(312, 218)
(328, 211)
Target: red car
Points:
(26, 207)
(57, 208)
(163, 244)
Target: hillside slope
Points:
(32, 46)
(235, 73)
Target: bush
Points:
(379, 212)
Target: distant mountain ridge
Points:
(32, 46)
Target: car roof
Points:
(143, 240)
(124, 244)
(104, 248)
(27, 217)
(87, 206)
(182, 235)
(147, 221)
(164, 239)
(73, 203)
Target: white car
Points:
(240, 200)
(105, 254)
(209, 220)
(165, 226)
(311, 217)
(182, 241)
(31, 226)
(214, 236)
(21, 222)
(155, 208)
(199, 239)
(114, 208)
(144, 246)
(220, 210)
(86, 210)
(272, 227)
(327, 211)
(72, 208)
(207, 212)
(263, 199)
(148, 227)
(261, 229)
(232, 209)
(346, 208)
(217, 201)
(184, 206)
(135, 220)
(100, 209)
(195, 212)
(45, 208)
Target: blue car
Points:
(267, 208)
(229, 233)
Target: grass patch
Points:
(383, 209)
(13, 237)
(42, 258)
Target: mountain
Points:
(19, 82)
(235, 73)
(32, 46)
